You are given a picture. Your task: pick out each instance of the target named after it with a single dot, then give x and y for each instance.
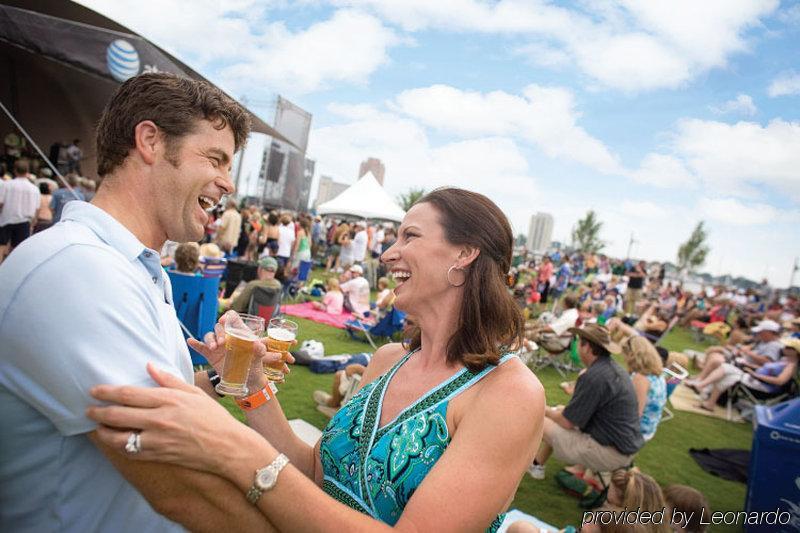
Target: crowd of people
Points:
(109, 404)
(30, 199)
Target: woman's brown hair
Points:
(489, 319)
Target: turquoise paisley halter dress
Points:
(376, 470)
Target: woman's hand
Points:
(178, 423)
(213, 349)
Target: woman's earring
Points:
(449, 272)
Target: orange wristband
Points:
(257, 399)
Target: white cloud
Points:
(664, 171)
(784, 85)
(733, 158)
(742, 104)
(347, 47)
(734, 212)
(628, 45)
(543, 116)
(643, 209)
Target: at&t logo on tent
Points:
(122, 60)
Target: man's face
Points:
(193, 182)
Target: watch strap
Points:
(255, 491)
(214, 378)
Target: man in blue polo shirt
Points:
(86, 302)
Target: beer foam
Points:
(244, 334)
(281, 334)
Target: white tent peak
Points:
(364, 199)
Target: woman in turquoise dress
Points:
(439, 434)
(646, 370)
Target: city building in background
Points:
(286, 173)
(328, 190)
(540, 232)
(375, 166)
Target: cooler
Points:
(773, 480)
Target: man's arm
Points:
(197, 500)
(556, 414)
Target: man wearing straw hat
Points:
(599, 427)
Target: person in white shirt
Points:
(360, 243)
(286, 237)
(230, 227)
(550, 333)
(19, 203)
(356, 291)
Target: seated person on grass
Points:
(599, 427)
(265, 277)
(333, 301)
(629, 490)
(763, 381)
(548, 333)
(645, 367)
(649, 323)
(342, 380)
(356, 291)
(385, 297)
(767, 348)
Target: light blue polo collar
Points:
(109, 229)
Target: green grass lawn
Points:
(666, 457)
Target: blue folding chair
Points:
(213, 268)
(387, 326)
(195, 301)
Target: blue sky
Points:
(655, 114)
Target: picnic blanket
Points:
(306, 310)
(685, 399)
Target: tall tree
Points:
(692, 254)
(520, 240)
(586, 234)
(410, 197)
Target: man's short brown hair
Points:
(174, 104)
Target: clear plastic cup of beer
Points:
(281, 334)
(241, 333)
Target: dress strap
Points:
(445, 392)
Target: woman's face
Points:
(420, 258)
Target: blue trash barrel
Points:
(773, 481)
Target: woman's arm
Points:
(781, 379)
(641, 385)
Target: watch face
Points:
(265, 479)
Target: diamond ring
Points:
(134, 444)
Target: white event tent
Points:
(364, 199)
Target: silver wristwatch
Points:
(266, 478)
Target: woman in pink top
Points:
(333, 301)
(543, 278)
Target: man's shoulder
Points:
(63, 250)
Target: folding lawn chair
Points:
(265, 302)
(387, 326)
(559, 353)
(291, 288)
(744, 399)
(674, 375)
(213, 268)
(195, 302)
